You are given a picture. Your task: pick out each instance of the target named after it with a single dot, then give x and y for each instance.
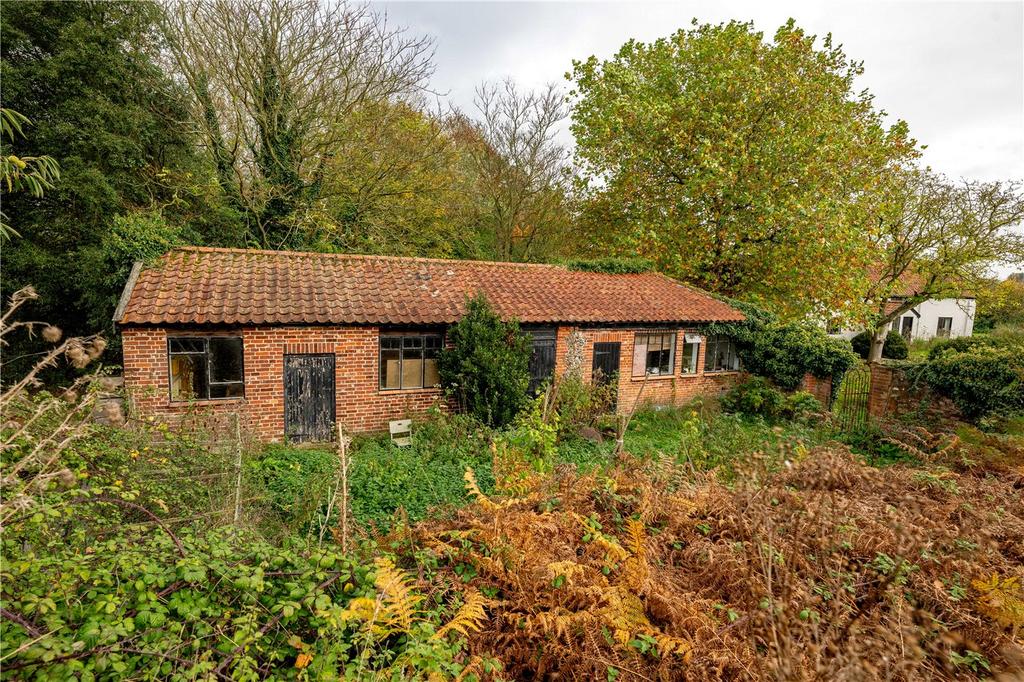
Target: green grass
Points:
(713, 440)
(426, 478)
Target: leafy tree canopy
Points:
(743, 165)
(86, 75)
(613, 265)
(937, 239)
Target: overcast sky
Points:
(953, 70)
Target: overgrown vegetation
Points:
(784, 352)
(983, 375)
(757, 397)
(485, 364)
(894, 348)
(611, 265)
(716, 544)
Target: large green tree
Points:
(85, 74)
(747, 166)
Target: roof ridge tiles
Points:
(367, 257)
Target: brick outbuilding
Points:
(294, 341)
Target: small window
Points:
(720, 354)
(206, 368)
(409, 361)
(945, 327)
(691, 351)
(654, 354)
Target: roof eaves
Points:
(126, 294)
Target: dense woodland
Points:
(757, 535)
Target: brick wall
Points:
(819, 388)
(360, 404)
(894, 393)
(675, 389)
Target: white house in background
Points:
(942, 318)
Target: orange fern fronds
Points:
(395, 594)
(1001, 600)
(469, 618)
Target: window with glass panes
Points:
(691, 351)
(654, 354)
(409, 361)
(720, 354)
(205, 367)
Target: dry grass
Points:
(829, 570)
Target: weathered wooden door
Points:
(542, 359)
(308, 398)
(606, 366)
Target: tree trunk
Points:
(878, 335)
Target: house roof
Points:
(907, 284)
(197, 285)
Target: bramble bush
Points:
(485, 365)
(894, 348)
(116, 561)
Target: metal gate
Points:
(851, 404)
(309, 409)
(605, 368)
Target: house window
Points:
(654, 354)
(206, 367)
(691, 350)
(945, 327)
(720, 354)
(409, 361)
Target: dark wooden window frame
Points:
(206, 354)
(948, 330)
(401, 358)
(712, 342)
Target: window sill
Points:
(206, 401)
(722, 372)
(407, 391)
(653, 377)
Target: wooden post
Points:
(238, 468)
(343, 456)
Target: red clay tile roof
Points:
(235, 286)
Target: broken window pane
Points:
(188, 377)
